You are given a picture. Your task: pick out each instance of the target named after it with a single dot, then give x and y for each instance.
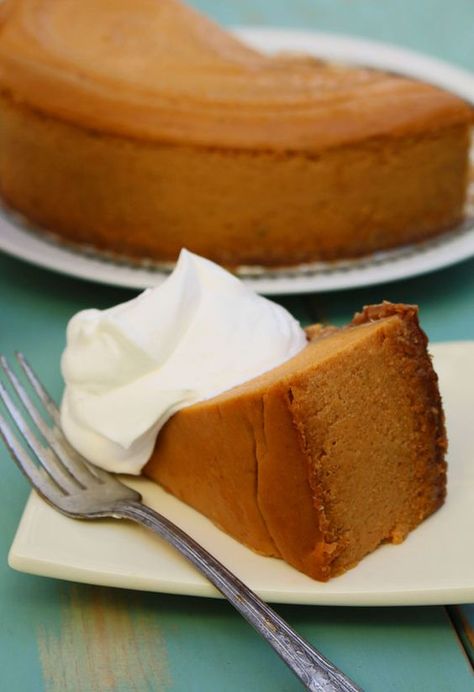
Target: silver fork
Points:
(79, 490)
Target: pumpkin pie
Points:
(138, 127)
(323, 458)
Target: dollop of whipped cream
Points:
(129, 368)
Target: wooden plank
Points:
(56, 636)
(91, 638)
(462, 618)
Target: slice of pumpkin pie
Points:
(323, 458)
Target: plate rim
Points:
(39, 251)
(463, 592)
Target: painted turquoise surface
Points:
(187, 644)
(436, 27)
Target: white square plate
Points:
(435, 565)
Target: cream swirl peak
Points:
(127, 369)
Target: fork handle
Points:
(311, 667)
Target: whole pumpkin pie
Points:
(323, 458)
(139, 127)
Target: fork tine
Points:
(46, 456)
(47, 400)
(43, 483)
(75, 463)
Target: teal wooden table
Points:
(62, 637)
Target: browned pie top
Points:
(158, 70)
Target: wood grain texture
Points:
(55, 637)
(104, 640)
